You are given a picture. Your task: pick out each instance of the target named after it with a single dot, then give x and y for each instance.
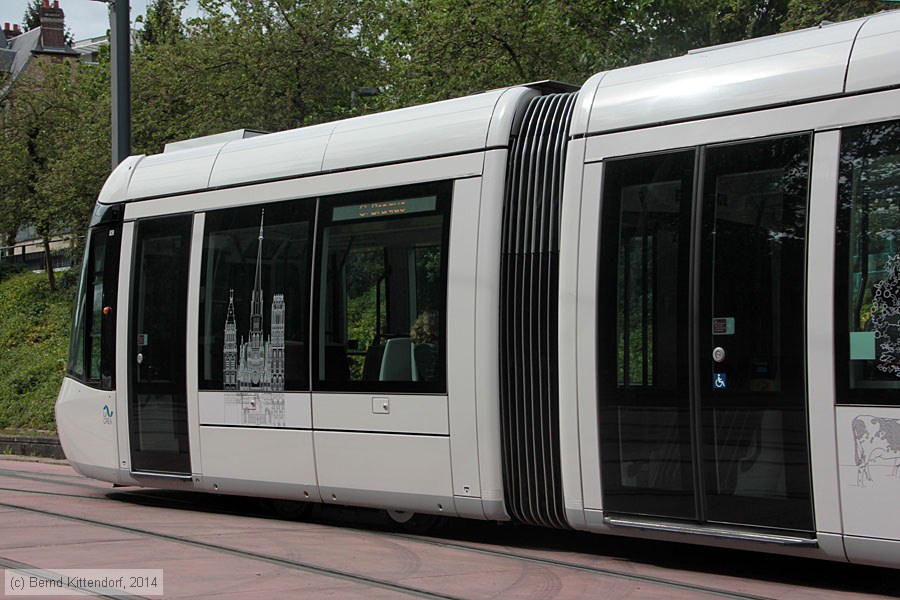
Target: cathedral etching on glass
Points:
(253, 370)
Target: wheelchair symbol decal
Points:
(719, 381)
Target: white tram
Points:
(666, 304)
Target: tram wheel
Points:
(414, 522)
(293, 510)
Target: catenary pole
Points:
(121, 79)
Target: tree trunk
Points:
(48, 262)
(10, 241)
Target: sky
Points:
(84, 18)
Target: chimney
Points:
(10, 32)
(53, 27)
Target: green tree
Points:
(51, 137)
(32, 17)
(658, 29)
(655, 29)
(435, 49)
(267, 65)
(810, 13)
(163, 23)
(13, 166)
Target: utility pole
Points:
(120, 50)
(121, 80)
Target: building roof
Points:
(6, 59)
(88, 48)
(18, 53)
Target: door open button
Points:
(719, 354)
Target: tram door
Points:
(157, 400)
(701, 336)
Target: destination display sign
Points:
(384, 209)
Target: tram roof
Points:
(830, 60)
(461, 125)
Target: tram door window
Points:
(753, 400)
(92, 352)
(867, 298)
(702, 401)
(644, 377)
(382, 290)
(157, 402)
(254, 298)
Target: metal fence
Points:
(34, 261)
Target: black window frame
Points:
(106, 225)
(443, 191)
(844, 393)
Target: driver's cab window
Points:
(382, 290)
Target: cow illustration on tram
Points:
(875, 439)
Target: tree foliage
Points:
(163, 22)
(51, 135)
(269, 66)
(811, 13)
(32, 17)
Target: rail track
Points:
(15, 497)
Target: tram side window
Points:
(382, 298)
(254, 297)
(92, 345)
(648, 214)
(867, 298)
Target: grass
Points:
(34, 341)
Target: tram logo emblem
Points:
(107, 415)
(253, 370)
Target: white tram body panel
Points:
(633, 422)
(93, 440)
